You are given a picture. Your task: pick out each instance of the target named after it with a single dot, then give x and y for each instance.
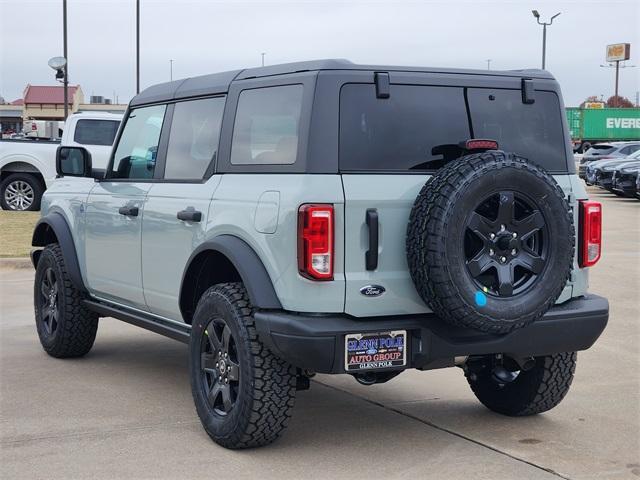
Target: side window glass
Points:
(135, 155)
(95, 132)
(193, 141)
(626, 151)
(265, 131)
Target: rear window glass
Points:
(399, 132)
(533, 131)
(95, 132)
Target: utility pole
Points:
(137, 46)
(615, 98)
(65, 81)
(544, 34)
(263, 54)
(171, 70)
(488, 64)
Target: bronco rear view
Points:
(327, 217)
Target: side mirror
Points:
(73, 162)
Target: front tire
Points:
(66, 327)
(531, 392)
(21, 192)
(243, 393)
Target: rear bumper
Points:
(316, 342)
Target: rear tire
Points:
(66, 327)
(533, 391)
(243, 393)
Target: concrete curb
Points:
(15, 263)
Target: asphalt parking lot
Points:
(125, 410)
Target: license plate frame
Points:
(383, 350)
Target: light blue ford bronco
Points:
(327, 217)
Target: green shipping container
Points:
(606, 124)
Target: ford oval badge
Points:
(372, 290)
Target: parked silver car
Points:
(606, 151)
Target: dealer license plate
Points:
(368, 351)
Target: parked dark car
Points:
(624, 181)
(606, 151)
(600, 172)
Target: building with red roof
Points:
(45, 102)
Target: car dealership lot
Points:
(125, 410)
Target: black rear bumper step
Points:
(316, 342)
(175, 330)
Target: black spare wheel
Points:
(490, 242)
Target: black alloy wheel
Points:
(220, 366)
(49, 301)
(505, 244)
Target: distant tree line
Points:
(612, 101)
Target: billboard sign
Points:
(618, 52)
(594, 105)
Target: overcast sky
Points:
(205, 37)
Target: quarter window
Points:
(95, 132)
(266, 126)
(136, 153)
(193, 141)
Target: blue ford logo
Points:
(372, 290)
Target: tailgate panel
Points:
(392, 196)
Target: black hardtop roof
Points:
(219, 82)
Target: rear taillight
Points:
(315, 241)
(590, 233)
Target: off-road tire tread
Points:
(274, 380)
(533, 392)
(76, 334)
(426, 242)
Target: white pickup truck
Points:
(27, 167)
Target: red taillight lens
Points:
(481, 144)
(315, 241)
(590, 233)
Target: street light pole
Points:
(544, 34)
(488, 64)
(263, 54)
(65, 81)
(137, 46)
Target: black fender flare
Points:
(248, 264)
(41, 237)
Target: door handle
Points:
(189, 215)
(371, 256)
(128, 211)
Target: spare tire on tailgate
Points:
(490, 242)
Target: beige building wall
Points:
(45, 111)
